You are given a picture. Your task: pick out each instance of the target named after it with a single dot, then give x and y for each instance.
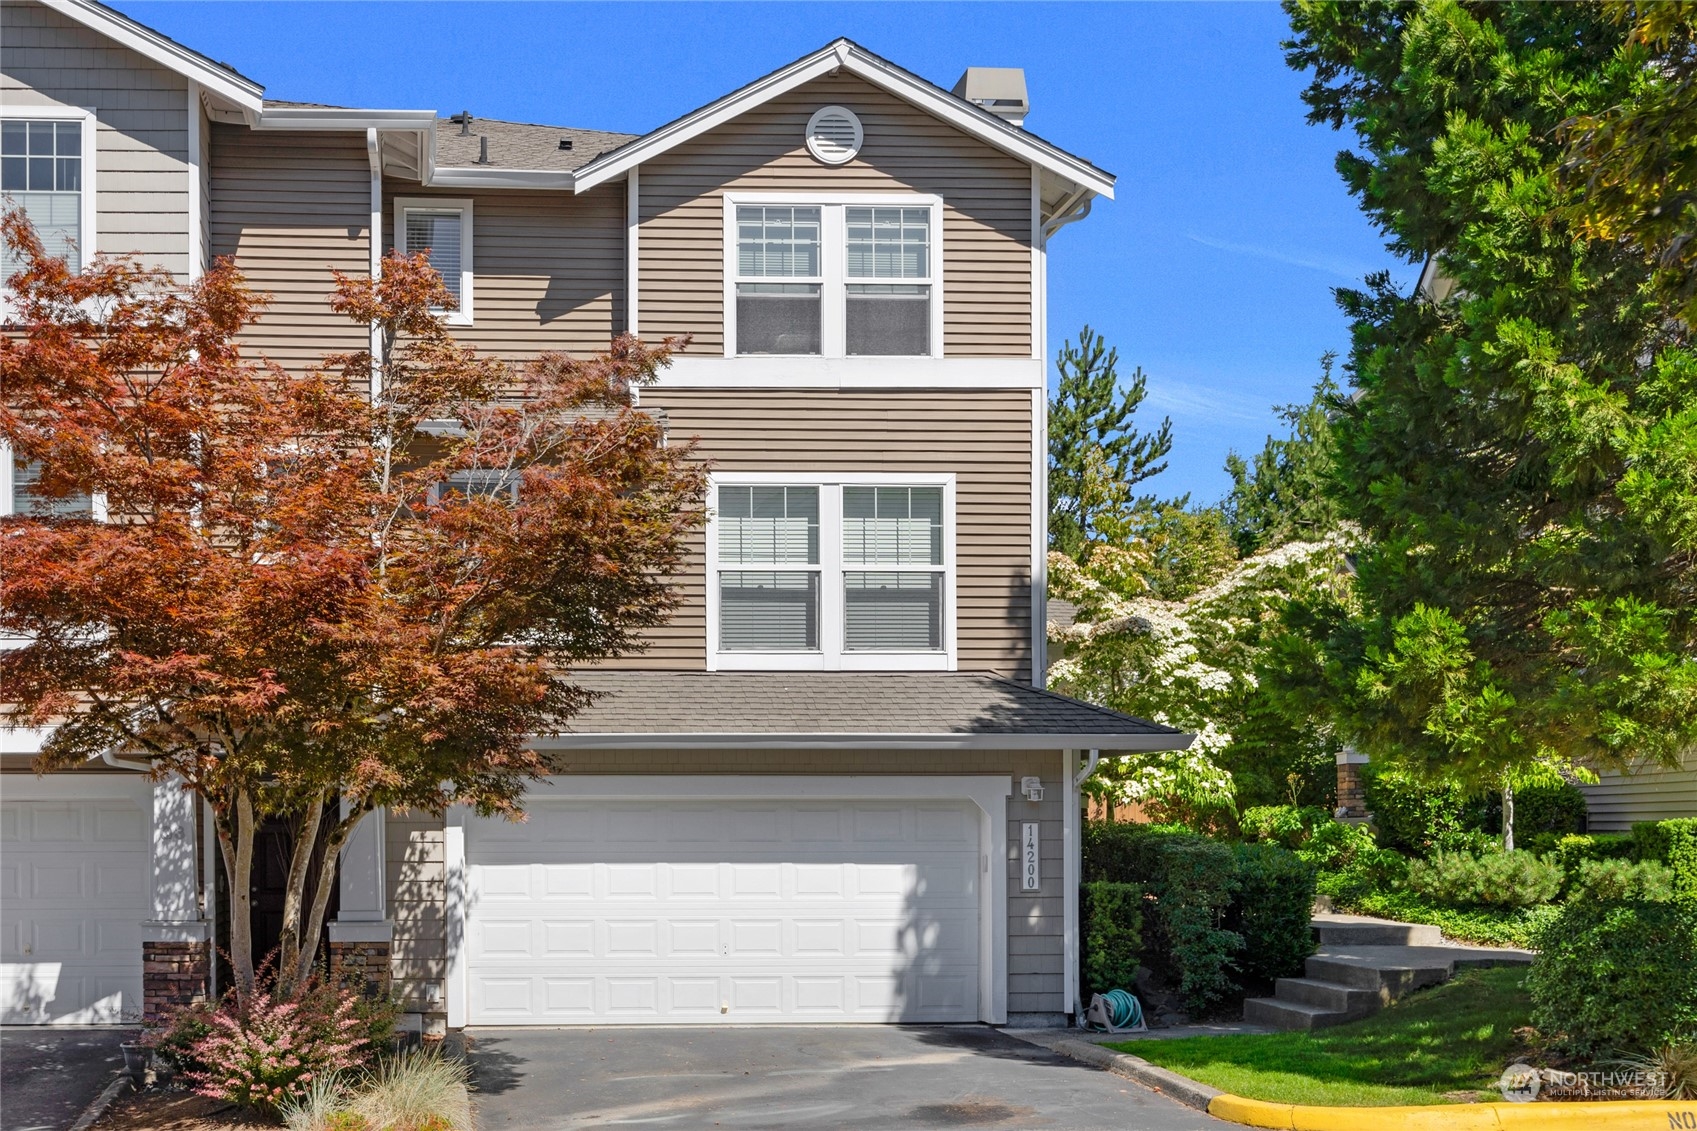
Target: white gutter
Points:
(1094, 759)
(461, 176)
(113, 759)
(337, 118)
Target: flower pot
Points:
(136, 1057)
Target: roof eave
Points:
(219, 80)
(459, 176)
(714, 740)
(844, 55)
(333, 118)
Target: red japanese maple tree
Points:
(366, 582)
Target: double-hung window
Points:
(831, 572)
(441, 227)
(855, 275)
(46, 167)
(20, 493)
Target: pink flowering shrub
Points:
(270, 1050)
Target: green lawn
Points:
(1455, 1038)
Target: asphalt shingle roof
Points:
(521, 145)
(935, 705)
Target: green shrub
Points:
(1674, 843)
(1484, 926)
(1272, 910)
(1421, 817)
(1618, 880)
(1616, 976)
(1495, 879)
(1199, 878)
(1576, 848)
(1286, 825)
(1334, 846)
(1555, 807)
(1113, 934)
(1368, 871)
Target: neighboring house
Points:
(1648, 793)
(832, 788)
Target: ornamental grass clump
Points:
(268, 1050)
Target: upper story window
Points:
(850, 276)
(46, 166)
(831, 572)
(442, 228)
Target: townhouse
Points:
(832, 788)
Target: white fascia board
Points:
(846, 56)
(326, 118)
(243, 92)
(876, 741)
(488, 177)
(908, 373)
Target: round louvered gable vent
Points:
(834, 135)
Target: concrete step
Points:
(1327, 995)
(1361, 930)
(1399, 970)
(1277, 1013)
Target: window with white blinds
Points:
(885, 609)
(442, 229)
(27, 498)
(857, 276)
(831, 575)
(770, 609)
(41, 172)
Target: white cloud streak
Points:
(1352, 271)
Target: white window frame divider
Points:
(832, 656)
(88, 236)
(833, 255)
(466, 314)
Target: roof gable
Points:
(846, 55)
(214, 77)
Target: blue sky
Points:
(1213, 269)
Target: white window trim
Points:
(8, 505)
(404, 204)
(832, 259)
(831, 655)
(88, 238)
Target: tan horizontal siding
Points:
(548, 268)
(986, 223)
(141, 168)
(290, 207)
(1035, 923)
(984, 439)
(1650, 794)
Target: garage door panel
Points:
(765, 911)
(73, 895)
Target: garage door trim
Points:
(989, 792)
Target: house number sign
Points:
(1030, 857)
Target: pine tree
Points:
(1096, 452)
(1285, 495)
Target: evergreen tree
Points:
(1096, 452)
(1519, 452)
(1285, 494)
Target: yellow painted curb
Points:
(1632, 1115)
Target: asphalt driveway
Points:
(47, 1076)
(780, 1076)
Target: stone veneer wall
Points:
(362, 966)
(173, 974)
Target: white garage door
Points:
(73, 894)
(760, 911)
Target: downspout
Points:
(374, 154)
(117, 761)
(1093, 759)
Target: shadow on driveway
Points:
(47, 1076)
(868, 1077)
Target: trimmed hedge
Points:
(1217, 909)
(1113, 935)
(1274, 904)
(1674, 843)
(1616, 976)
(1418, 817)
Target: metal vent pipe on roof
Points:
(483, 150)
(464, 120)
